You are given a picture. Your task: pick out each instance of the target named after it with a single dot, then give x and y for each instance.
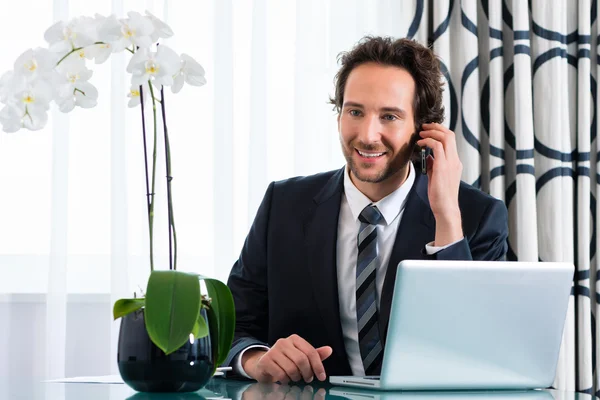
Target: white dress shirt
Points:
(353, 202)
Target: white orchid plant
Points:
(60, 74)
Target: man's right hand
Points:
(290, 359)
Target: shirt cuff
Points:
(430, 249)
(237, 360)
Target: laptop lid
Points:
(475, 325)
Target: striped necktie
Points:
(369, 340)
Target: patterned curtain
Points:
(521, 96)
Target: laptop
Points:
(473, 325)
(365, 394)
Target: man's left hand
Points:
(444, 170)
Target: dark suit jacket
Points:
(285, 281)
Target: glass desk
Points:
(220, 388)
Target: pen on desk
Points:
(222, 369)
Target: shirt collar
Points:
(390, 206)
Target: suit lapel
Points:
(320, 233)
(416, 229)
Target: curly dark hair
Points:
(416, 59)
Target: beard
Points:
(373, 173)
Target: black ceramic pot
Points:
(146, 368)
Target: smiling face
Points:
(377, 126)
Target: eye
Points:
(389, 117)
(355, 113)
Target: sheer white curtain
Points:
(73, 228)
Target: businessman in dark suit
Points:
(314, 281)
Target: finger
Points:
(283, 359)
(269, 391)
(430, 160)
(435, 126)
(301, 361)
(446, 136)
(307, 393)
(320, 395)
(271, 372)
(324, 352)
(293, 394)
(436, 146)
(433, 133)
(263, 388)
(280, 389)
(313, 357)
(278, 393)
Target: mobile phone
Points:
(425, 152)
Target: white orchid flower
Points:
(98, 50)
(161, 29)
(160, 66)
(28, 108)
(59, 73)
(135, 30)
(13, 120)
(33, 64)
(35, 98)
(10, 85)
(190, 72)
(34, 120)
(10, 118)
(73, 71)
(135, 97)
(63, 37)
(109, 29)
(73, 86)
(109, 33)
(85, 95)
(96, 25)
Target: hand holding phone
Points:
(444, 173)
(425, 152)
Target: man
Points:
(314, 281)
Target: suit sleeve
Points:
(248, 284)
(488, 243)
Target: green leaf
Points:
(224, 308)
(123, 307)
(200, 328)
(213, 326)
(172, 308)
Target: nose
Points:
(370, 130)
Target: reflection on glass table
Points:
(219, 388)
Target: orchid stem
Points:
(79, 48)
(172, 232)
(149, 195)
(153, 160)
